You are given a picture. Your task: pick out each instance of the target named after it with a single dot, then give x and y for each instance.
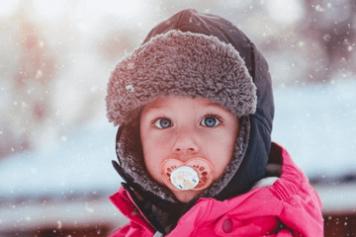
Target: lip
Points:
(184, 158)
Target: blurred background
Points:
(56, 145)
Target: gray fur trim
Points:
(185, 64)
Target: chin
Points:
(185, 196)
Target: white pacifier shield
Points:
(184, 178)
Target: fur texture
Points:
(181, 63)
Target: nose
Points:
(185, 145)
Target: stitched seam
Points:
(280, 191)
(180, 19)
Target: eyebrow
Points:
(209, 103)
(157, 106)
(212, 103)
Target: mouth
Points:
(193, 174)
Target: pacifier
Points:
(194, 174)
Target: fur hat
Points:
(181, 63)
(184, 64)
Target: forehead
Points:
(169, 100)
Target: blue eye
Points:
(163, 123)
(211, 121)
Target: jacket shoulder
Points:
(121, 231)
(137, 227)
(301, 203)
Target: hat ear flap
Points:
(118, 135)
(129, 151)
(118, 164)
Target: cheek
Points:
(156, 144)
(154, 152)
(220, 153)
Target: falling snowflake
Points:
(130, 66)
(130, 88)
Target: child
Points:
(194, 106)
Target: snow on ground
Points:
(79, 162)
(317, 125)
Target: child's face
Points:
(182, 128)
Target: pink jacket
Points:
(288, 207)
